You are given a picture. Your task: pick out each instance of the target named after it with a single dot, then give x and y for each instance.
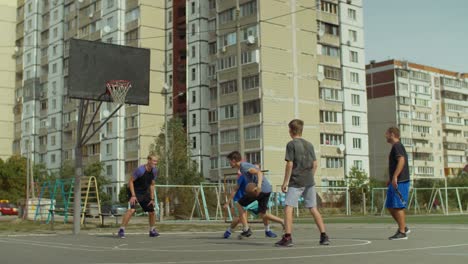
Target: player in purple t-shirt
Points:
(141, 190)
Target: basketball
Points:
(250, 189)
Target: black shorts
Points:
(262, 199)
(143, 199)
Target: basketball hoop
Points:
(118, 90)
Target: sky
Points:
(429, 32)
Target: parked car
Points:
(6, 208)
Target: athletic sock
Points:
(287, 235)
(245, 228)
(229, 229)
(152, 228)
(267, 228)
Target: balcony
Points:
(19, 33)
(92, 159)
(44, 78)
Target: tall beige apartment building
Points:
(45, 118)
(7, 75)
(429, 105)
(299, 59)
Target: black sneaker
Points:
(245, 234)
(285, 242)
(324, 240)
(398, 236)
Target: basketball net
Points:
(118, 90)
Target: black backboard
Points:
(92, 64)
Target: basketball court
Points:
(350, 243)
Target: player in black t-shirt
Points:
(398, 182)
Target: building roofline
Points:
(416, 66)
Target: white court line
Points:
(179, 249)
(29, 235)
(299, 257)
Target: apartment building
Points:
(314, 72)
(7, 75)
(429, 105)
(45, 118)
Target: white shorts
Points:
(309, 194)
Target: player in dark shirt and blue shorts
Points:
(262, 195)
(141, 190)
(398, 183)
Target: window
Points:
(228, 112)
(356, 143)
(169, 37)
(55, 33)
(214, 139)
(250, 82)
(327, 28)
(194, 74)
(351, 14)
(194, 97)
(226, 16)
(132, 15)
(358, 164)
(355, 100)
(352, 35)
(52, 158)
(193, 29)
(109, 128)
(28, 57)
(212, 116)
(330, 51)
(55, 15)
(404, 114)
(330, 117)
(356, 121)
(253, 157)
(194, 142)
(353, 56)
(354, 76)
(54, 104)
(52, 140)
(193, 51)
(248, 8)
(53, 123)
(327, 7)
(331, 139)
(331, 94)
(251, 133)
(169, 16)
(194, 119)
(332, 73)
(109, 149)
(252, 107)
(109, 170)
(229, 136)
(331, 163)
(212, 48)
(192, 7)
(211, 4)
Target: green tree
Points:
(13, 178)
(358, 182)
(182, 170)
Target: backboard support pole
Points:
(81, 141)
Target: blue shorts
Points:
(394, 200)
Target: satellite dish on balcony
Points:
(251, 39)
(341, 147)
(320, 77)
(107, 29)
